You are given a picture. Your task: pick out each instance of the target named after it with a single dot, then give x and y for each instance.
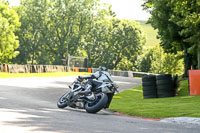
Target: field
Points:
(131, 102)
(150, 34)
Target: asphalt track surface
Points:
(28, 105)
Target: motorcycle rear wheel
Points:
(63, 101)
(98, 104)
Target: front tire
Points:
(63, 101)
(98, 104)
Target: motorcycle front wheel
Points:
(96, 105)
(63, 101)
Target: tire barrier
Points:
(159, 86)
(149, 87)
(165, 86)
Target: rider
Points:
(96, 79)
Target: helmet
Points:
(102, 68)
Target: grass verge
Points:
(53, 74)
(131, 102)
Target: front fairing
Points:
(107, 87)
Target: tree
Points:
(154, 60)
(186, 15)
(52, 29)
(127, 40)
(145, 61)
(168, 17)
(116, 44)
(96, 43)
(71, 19)
(33, 16)
(9, 23)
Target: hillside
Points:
(150, 33)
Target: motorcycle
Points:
(99, 97)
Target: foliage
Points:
(70, 24)
(177, 23)
(128, 40)
(183, 89)
(9, 23)
(95, 43)
(186, 15)
(154, 60)
(32, 16)
(52, 29)
(189, 10)
(114, 43)
(145, 60)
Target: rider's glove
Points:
(115, 85)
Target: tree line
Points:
(52, 29)
(46, 31)
(178, 24)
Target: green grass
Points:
(131, 102)
(53, 74)
(183, 90)
(137, 77)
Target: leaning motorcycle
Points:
(99, 97)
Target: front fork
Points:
(110, 96)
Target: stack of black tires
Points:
(149, 87)
(159, 86)
(165, 86)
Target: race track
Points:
(28, 105)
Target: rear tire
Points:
(98, 104)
